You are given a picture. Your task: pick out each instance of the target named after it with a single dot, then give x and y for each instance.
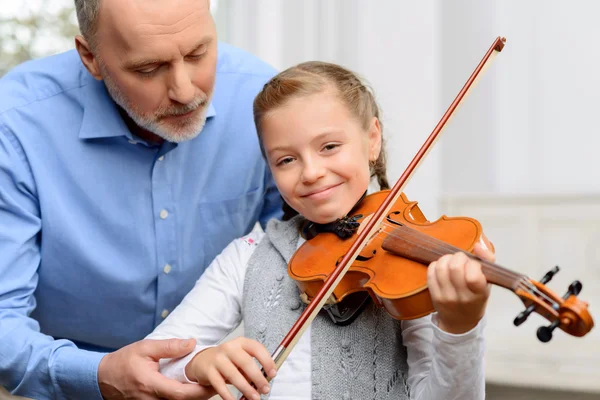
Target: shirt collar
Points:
(101, 118)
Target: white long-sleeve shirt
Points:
(442, 366)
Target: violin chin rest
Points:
(344, 312)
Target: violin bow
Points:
(316, 304)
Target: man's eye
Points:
(201, 52)
(194, 57)
(147, 72)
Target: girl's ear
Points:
(374, 139)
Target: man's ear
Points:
(87, 57)
(374, 139)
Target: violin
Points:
(392, 267)
(387, 256)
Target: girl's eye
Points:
(330, 146)
(284, 161)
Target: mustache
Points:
(200, 101)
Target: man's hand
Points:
(132, 372)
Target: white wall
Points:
(533, 126)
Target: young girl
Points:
(320, 133)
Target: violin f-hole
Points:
(358, 258)
(390, 220)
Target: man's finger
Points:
(167, 348)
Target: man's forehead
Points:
(121, 6)
(153, 18)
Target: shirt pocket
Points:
(225, 220)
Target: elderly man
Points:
(126, 166)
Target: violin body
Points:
(393, 272)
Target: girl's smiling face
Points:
(319, 154)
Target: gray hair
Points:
(87, 16)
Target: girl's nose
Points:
(312, 171)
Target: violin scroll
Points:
(567, 312)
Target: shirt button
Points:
(132, 142)
(164, 313)
(161, 158)
(164, 214)
(167, 269)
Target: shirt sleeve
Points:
(442, 365)
(213, 308)
(31, 364)
(272, 201)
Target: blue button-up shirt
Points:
(102, 234)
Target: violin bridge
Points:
(306, 300)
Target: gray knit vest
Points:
(364, 360)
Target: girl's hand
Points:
(233, 362)
(459, 290)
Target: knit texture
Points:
(364, 360)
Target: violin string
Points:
(449, 249)
(521, 280)
(535, 290)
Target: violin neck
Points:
(416, 246)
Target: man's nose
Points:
(181, 89)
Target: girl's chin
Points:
(323, 219)
(325, 213)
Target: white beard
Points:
(187, 130)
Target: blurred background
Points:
(521, 154)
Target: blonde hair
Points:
(315, 77)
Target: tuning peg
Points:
(522, 317)
(574, 289)
(544, 333)
(549, 275)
